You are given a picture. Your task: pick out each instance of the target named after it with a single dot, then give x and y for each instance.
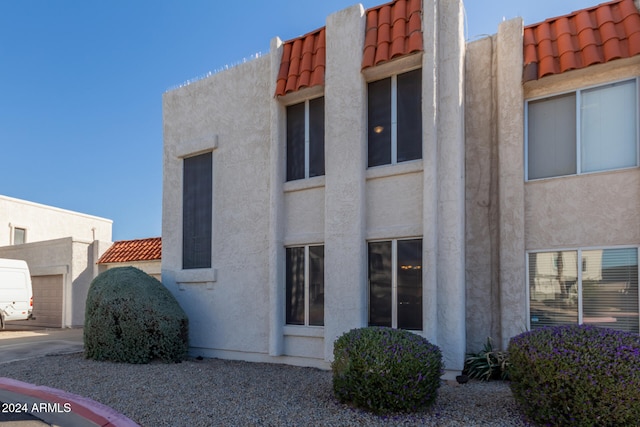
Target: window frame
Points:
(307, 138)
(307, 283)
(394, 281)
(208, 263)
(579, 271)
(393, 120)
(15, 228)
(578, 143)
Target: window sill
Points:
(304, 184)
(304, 331)
(200, 276)
(582, 174)
(412, 166)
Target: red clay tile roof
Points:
(393, 29)
(303, 62)
(586, 37)
(133, 250)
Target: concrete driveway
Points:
(20, 341)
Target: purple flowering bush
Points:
(577, 376)
(386, 370)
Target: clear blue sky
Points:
(82, 84)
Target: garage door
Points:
(47, 300)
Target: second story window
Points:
(585, 131)
(305, 139)
(395, 119)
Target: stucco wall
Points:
(506, 216)
(495, 200)
(345, 162)
(236, 308)
(394, 205)
(227, 113)
(304, 216)
(510, 136)
(73, 259)
(582, 211)
(46, 222)
(152, 268)
(596, 209)
(482, 227)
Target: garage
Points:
(47, 300)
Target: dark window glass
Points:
(380, 284)
(295, 142)
(410, 284)
(295, 286)
(379, 124)
(316, 285)
(409, 87)
(316, 137)
(197, 213)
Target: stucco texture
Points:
(229, 117)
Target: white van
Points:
(16, 294)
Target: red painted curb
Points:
(82, 406)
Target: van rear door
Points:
(15, 291)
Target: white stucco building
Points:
(378, 171)
(61, 248)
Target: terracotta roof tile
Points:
(589, 36)
(303, 62)
(133, 250)
(393, 29)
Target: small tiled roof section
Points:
(303, 62)
(586, 37)
(393, 29)
(133, 250)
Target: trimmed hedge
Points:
(131, 317)
(386, 370)
(577, 376)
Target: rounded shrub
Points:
(577, 376)
(386, 370)
(131, 317)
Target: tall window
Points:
(395, 119)
(395, 284)
(305, 139)
(602, 292)
(585, 131)
(197, 195)
(305, 285)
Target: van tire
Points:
(1, 320)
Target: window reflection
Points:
(295, 286)
(608, 287)
(401, 285)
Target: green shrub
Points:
(487, 364)
(577, 376)
(130, 317)
(386, 370)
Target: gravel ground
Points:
(214, 392)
